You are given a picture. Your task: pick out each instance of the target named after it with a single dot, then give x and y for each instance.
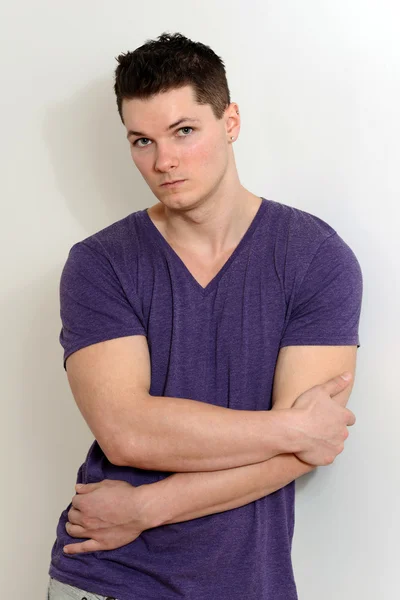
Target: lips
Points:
(167, 183)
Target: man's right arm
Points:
(110, 382)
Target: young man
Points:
(183, 325)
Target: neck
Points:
(210, 228)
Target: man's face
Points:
(196, 151)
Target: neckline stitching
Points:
(162, 242)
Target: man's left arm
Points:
(184, 496)
(116, 516)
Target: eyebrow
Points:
(183, 119)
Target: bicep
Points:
(299, 368)
(107, 380)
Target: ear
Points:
(232, 121)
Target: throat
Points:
(203, 271)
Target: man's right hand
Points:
(323, 421)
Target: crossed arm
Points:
(211, 481)
(184, 496)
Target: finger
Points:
(89, 546)
(84, 488)
(76, 502)
(75, 516)
(337, 384)
(77, 531)
(351, 417)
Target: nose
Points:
(166, 158)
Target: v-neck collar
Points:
(162, 242)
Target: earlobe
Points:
(231, 117)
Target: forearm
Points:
(181, 435)
(186, 496)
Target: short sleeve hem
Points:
(101, 338)
(320, 342)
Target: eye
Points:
(139, 140)
(135, 143)
(182, 128)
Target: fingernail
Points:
(79, 486)
(346, 376)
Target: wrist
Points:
(291, 434)
(148, 505)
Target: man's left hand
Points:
(109, 512)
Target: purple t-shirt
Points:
(291, 280)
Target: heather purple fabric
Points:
(292, 280)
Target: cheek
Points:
(205, 154)
(141, 162)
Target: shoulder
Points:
(298, 236)
(299, 228)
(115, 243)
(303, 243)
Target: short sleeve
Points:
(94, 306)
(326, 306)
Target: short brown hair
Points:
(172, 61)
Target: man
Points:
(184, 324)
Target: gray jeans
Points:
(62, 591)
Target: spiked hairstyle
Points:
(169, 62)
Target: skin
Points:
(114, 513)
(208, 214)
(203, 220)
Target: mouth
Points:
(173, 183)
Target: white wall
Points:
(317, 83)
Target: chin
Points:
(177, 202)
(174, 198)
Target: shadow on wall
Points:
(94, 173)
(91, 159)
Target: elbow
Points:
(127, 442)
(115, 458)
(139, 457)
(112, 454)
(123, 454)
(113, 451)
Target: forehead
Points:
(158, 112)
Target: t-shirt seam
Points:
(311, 341)
(313, 256)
